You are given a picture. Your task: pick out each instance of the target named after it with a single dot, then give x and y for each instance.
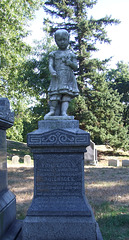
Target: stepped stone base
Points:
(59, 228)
(59, 210)
(7, 211)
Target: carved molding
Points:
(58, 137)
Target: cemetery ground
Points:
(107, 189)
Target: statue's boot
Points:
(64, 108)
(52, 109)
(51, 113)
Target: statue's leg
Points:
(65, 104)
(53, 104)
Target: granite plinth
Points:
(59, 209)
(7, 198)
(3, 160)
(59, 118)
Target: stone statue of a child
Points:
(63, 85)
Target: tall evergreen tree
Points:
(118, 79)
(101, 114)
(85, 31)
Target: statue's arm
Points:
(51, 64)
(72, 63)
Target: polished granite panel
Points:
(3, 161)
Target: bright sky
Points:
(119, 34)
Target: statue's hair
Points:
(59, 31)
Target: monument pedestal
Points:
(59, 210)
(7, 198)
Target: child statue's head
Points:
(62, 38)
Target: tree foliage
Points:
(14, 15)
(34, 74)
(118, 79)
(100, 113)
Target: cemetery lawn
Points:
(107, 190)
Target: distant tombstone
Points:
(114, 163)
(15, 159)
(90, 157)
(125, 163)
(27, 159)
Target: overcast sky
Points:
(119, 34)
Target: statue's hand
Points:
(53, 73)
(68, 62)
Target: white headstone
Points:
(27, 159)
(15, 159)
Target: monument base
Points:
(60, 228)
(59, 210)
(7, 210)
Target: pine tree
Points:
(86, 32)
(118, 79)
(101, 114)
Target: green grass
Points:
(113, 221)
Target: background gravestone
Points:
(90, 157)
(7, 198)
(125, 163)
(114, 162)
(27, 159)
(15, 159)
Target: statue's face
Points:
(62, 40)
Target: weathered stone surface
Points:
(57, 124)
(27, 159)
(90, 157)
(63, 84)
(6, 116)
(7, 211)
(13, 231)
(59, 209)
(7, 199)
(125, 163)
(60, 134)
(57, 228)
(3, 161)
(114, 162)
(15, 159)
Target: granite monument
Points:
(59, 209)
